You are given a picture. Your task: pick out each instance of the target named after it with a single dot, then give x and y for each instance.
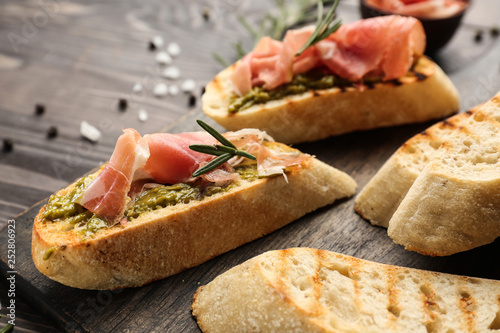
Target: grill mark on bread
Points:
(392, 296)
(430, 307)
(467, 305)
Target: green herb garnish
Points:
(324, 26)
(223, 152)
(6, 328)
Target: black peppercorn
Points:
(192, 100)
(206, 14)
(495, 31)
(151, 46)
(39, 109)
(7, 145)
(479, 36)
(122, 104)
(52, 132)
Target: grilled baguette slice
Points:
(167, 241)
(454, 204)
(309, 290)
(380, 198)
(318, 114)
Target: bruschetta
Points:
(367, 74)
(145, 216)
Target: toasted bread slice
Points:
(454, 204)
(380, 198)
(309, 290)
(167, 241)
(317, 114)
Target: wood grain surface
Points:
(78, 58)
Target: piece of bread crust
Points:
(380, 198)
(167, 241)
(309, 290)
(454, 204)
(322, 113)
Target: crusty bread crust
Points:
(322, 113)
(309, 290)
(380, 198)
(454, 204)
(167, 241)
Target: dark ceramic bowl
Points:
(439, 31)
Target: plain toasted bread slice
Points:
(309, 290)
(454, 204)
(380, 198)
(167, 241)
(318, 114)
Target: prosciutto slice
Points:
(384, 46)
(433, 9)
(164, 158)
(107, 196)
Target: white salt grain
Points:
(173, 90)
(137, 87)
(172, 73)
(174, 49)
(160, 90)
(143, 115)
(90, 132)
(163, 58)
(157, 41)
(188, 85)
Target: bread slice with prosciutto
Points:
(368, 74)
(144, 215)
(310, 290)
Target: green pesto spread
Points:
(299, 84)
(65, 207)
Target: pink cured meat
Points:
(383, 46)
(106, 196)
(171, 161)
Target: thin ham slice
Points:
(164, 158)
(171, 161)
(106, 196)
(384, 46)
(430, 9)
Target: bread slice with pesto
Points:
(423, 94)
(380, 198)
(161, 236)
(310, 290)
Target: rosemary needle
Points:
(223, 152)
(324, 27)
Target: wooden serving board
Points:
(164, 306)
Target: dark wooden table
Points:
(78, 58)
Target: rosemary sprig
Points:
(223, 152)
(6, 328)
(324, 27)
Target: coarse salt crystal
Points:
(163, 58)
(137, 87)
(157, 41)
(174, 49)
(90, 132)
(143, 115)
(173, 90)
(188, 85)
(172, 72)
(160, 89)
